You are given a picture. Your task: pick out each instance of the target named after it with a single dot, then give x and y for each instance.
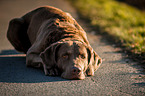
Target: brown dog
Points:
(52, 39)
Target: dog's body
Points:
(53, 39)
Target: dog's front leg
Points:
(45, 69)
(33, 60)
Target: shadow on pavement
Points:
(139, 84)
(13, 70)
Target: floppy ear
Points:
(48, 56)
(94, 62)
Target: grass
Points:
(124, 23)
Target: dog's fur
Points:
(52, 39)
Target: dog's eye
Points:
(64, 56)
(82, 56)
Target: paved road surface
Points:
(117, 75)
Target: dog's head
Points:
(74, 59)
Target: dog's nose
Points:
(76, 70)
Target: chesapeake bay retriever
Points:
(52, 39)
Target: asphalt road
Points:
(117, 76)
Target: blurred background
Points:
(140, 4)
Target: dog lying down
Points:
(52, 39)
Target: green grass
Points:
(125, 23)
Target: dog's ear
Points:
(94, 61)
(49, 57)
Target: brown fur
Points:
(53, 39)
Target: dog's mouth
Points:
(79, 76)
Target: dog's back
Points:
(27, 28)
(35, 19)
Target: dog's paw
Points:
(52, 72)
